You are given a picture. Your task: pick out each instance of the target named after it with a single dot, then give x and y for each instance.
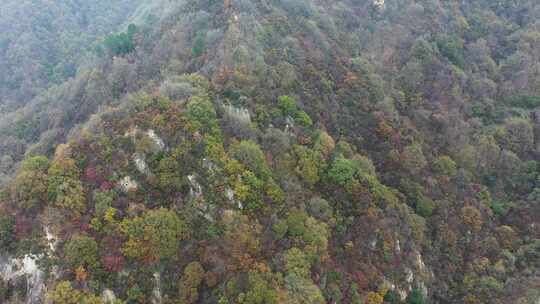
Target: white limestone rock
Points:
(128, 184)
(52, 240)
(379, 4)
(140, 163)
(160, 144)
(195, 190)
(108, 296)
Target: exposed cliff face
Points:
(13, 271)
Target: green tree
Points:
(296, 221)
(199, 44)
(288, 105)
(424, 206)
(122, 43)
(415, 297)
(280, 229)
(342, 171)
(451, 48)
(303, 119)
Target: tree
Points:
(310, 164)
(102, 201)
(122, 43)
(472, 218)
(82, 250)
(507, 236)
(202, 115)
(303, 119)
(280, 229)
(444, 165)
(517, 135)
(422, 50)
(451, 48)
(259, 291)
(315, 237)
(65, 190)
(6, 232)
(342, 171)
(424, 206)
(296, 221)
(189, 283)
(374, 298)
(169, 174)
(155, 236)
(64, 293)
(320, 208)
(296, 263)
(324, 143)
(302, 290)
(199, 44)
(164, 230)
(413, 158)
(415, 297)
(29, 187)
(251, 155)
(288, 105)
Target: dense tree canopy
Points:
(264, 152)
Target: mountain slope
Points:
(286, 152)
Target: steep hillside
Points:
(282, 152)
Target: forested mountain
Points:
(270, 151)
